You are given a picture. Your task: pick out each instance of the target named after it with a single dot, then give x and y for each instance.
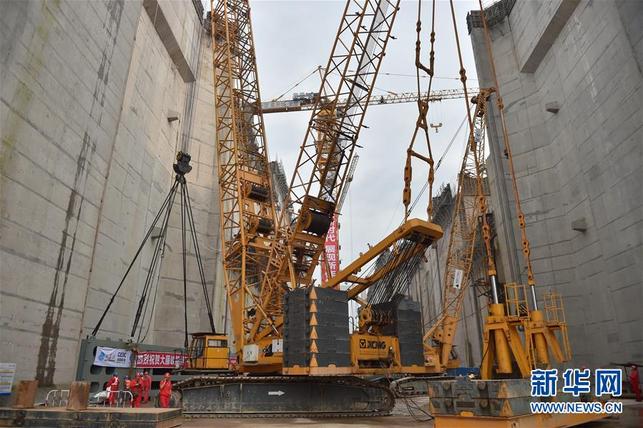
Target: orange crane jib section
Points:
(248, 217)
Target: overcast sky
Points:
(294, 37)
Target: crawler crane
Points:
(291, 338)
(294, 352)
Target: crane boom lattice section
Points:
(248, 217)
(349, 77)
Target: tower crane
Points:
(306, 101)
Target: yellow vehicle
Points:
(208, 351)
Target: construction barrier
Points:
(57, 398)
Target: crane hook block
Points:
(406, 196)
(316, 222)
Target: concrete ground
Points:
(402, 416)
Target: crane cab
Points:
(208, 351)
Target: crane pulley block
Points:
(257, 192)
(316, 216)
(316, 222)
(261, 225)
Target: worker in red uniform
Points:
(127, 386)
(634, 382)
(165, 391)
(137, 390)
(147, 385)
(112, 388)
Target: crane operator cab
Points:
(208, 351)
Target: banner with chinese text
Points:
(149, 359)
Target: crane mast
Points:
(326, 153)
(247, 209)
(264, 256)
(470, 204)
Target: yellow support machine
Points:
(371, 348)
(470, 205)
(504, 348)
(517, 335)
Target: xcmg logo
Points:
(372, 344)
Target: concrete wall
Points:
(578, 170)
(85, 162)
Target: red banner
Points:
(330, 262)
(167, 360)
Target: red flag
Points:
(330, 261)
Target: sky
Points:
(293, 37)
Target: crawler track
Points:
(283, 396)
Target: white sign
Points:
(457, 278)
(112, 357)
(7, 372)
(277, 393)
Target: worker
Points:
(634, 382)
(137, 390)
(165, 391)
(391, 356)
(112, 388)
(147, 385)
(127, 386)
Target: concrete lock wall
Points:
(570, 75)
(85, 163)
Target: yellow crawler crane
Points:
(276, 313)
(374, 349)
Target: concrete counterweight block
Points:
(78, 396)
(25, 394)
